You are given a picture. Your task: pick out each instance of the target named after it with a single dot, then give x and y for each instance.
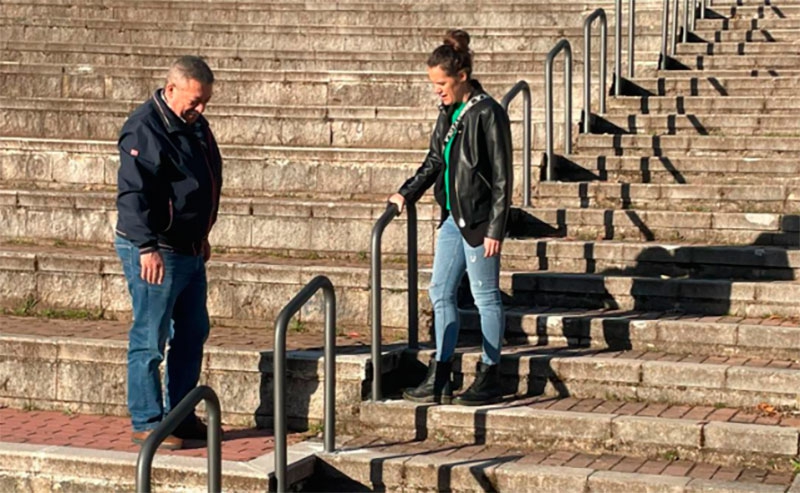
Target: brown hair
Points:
(454, 54)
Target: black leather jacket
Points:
(480, 170)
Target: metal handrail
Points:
(689, 23)
(376, 305)
(563, 44)
(279, 371)
(185, 407)
(587, 66)
(524, 88)
(618, 42)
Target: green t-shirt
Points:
(447, 156)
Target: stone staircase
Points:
(653, 330)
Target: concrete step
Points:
(249, 289)
(597, 426)
(750, 123)
(240, 124)
(263, 223)
(788, 48)
(285, 88)
(716, 105)
(784, 60)
(473, 466)
(677, 169)
(758, 84)
(711, 34)
(625, 292)
(314, 37)
(59, 356)
(687, 145)
(219, 57)
(471, 13)
(641, 376)
(765, 338)
(773, 197)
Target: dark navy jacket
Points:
(169, 180)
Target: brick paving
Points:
(114, 433)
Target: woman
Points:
(469, 162)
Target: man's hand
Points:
(399, 201)
(152, 267)
(491, 247)
(206, 250)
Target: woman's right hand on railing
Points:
(399, 201)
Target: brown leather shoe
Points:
(170, 443)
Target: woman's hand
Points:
(491, 247)
(399, 201)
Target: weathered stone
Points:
(737, 437)
(671, 374)
(618, 482)
(635, 430)
(544, 479)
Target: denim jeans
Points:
(174, 310)
(452, 257)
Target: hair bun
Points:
(458, 39)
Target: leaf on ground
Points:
(767, 409)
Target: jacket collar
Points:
(172, 122)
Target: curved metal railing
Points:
(564, 45)
(375, 276)
(524, 88)
(690, 15)
(279, 371)
(185, 407)
(587, 66)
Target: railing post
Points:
(413, 277)
(631, 36)
(587, 66)
(279, 372)
(617, 47)
(185, 407)
(563, 44)
(674, 27)
(685, 34)
(525, 89)
(662, 62)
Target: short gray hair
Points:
(191, 67)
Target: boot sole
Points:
(428, 400)
(460, 402)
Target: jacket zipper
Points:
(461, 221)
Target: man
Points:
(169, 183)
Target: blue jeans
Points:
(452, 257)
(175, 311)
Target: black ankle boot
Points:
(437, 386)
(486, 388)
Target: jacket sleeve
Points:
(497, 128)
(137, 187)
(427, 173)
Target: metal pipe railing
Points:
(185, 407)
(690, 15)
(564, 45)
(375, 276)
(662, 59)
(279, 371)
(618, 43)
(631, 35)
(685, 33)
(524, 88)
(675, 13)
(587, 66)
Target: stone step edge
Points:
(612, 431)
(641, 379)
(44, 461)
(520, 477)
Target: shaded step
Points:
(770, 125)
(641, 376)
(731, 62)
(767, 34)
(677, 169)
(718, 435)
(689, 145)
(694, 83)
(743, 48)
(621, 291)
(470, 467)
(714, 105)
(773, 197)
(671, 332)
